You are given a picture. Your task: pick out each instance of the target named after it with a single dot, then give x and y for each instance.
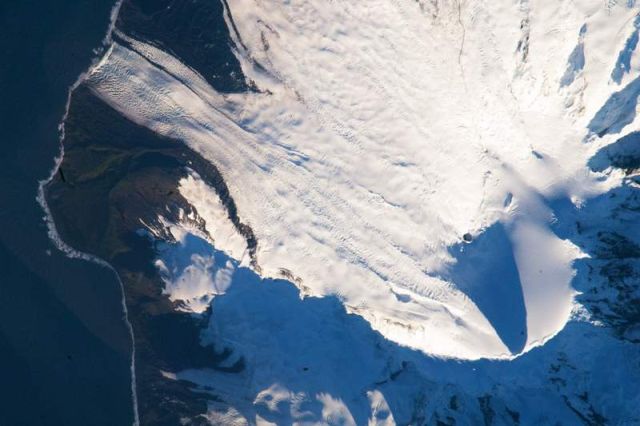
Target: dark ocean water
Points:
(64, 348)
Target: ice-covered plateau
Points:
(402, 155)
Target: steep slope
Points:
(368, 150)
(383, 212)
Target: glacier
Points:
(434, 188)
(367, 151)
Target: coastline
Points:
(48, 217)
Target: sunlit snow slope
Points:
(380, 132)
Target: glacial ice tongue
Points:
(382, 131)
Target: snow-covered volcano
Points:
(405, 155)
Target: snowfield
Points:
(379, 134)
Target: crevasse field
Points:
(444, 170)
(381, 132)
